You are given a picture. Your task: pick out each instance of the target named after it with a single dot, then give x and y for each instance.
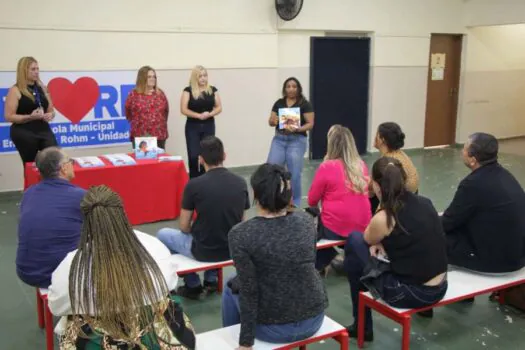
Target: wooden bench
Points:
(462, 284)
(228, 338)
(187, 265)
(45, 317)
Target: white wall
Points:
(494, 82)
(248, 51)
(494, 12)
(400, 32)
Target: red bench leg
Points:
(342, 339)
(49, 326)
(219, 280)
(302, 347)
(501, 297)
(40, 309)
(405, 345)
(361, 322)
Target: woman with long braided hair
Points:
(115, 287)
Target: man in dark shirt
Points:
(50, 219)
(485, 223)
(219, 198)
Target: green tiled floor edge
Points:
(483, 325)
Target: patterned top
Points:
(174, 331)
(148, 114)
(412, 176)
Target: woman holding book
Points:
(292, 116)
(200, 103)
(147, 108)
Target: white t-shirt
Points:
(58, 295)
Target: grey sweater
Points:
(275, 262)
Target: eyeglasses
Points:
(68, 161)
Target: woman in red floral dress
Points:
(147, 108)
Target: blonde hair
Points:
(341, 145)
(21, 76)
(142, 80)
(194, 82)
(112, 275)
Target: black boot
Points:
(194, 293)
(352, 333)
(211, 287)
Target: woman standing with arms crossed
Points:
(200, 103)
(29, 108)
(147, 108)
(289, 143)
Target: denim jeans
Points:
(270, 333)
(195, 132)
(325, 256)
(393, 291)
(180, 243)
(289, 150)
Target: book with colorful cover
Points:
(146, 148)
(289, 116)
(89, 162)
(120, 159)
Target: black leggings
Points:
(29, 142)
(195, 132)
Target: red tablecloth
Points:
(150, 190)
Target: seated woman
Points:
(389, 141)
(114, 289)
(277, 296)
(341, 185)
(407, 230)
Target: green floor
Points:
(483, 325)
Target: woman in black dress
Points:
(29, 108)
(200, 103)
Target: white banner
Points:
(89, 107)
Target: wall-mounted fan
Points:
(288, 9)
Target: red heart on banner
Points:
(74, 100)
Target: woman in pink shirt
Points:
(341, 185)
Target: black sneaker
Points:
(352, 333)
(337, 265)
(467, 301)
(210, 287)
(427, 313)
(194, 293)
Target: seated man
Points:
(219, 197)
(485, 223)
(50, 219)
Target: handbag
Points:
(372, 273)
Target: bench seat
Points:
(462, 284)
(228, 338)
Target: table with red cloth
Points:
(150, 190)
